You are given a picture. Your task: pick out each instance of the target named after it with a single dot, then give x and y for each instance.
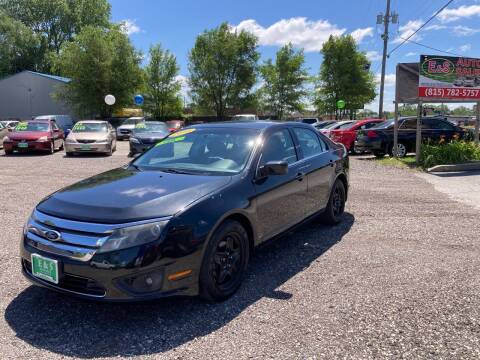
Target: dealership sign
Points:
(446, 77)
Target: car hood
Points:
(88, 135)
(27, 135)
(150, 135)
(122, 195)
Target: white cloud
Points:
(411, 53)
(129, 27)
(435, 27)
(465, 47)
(301, 32)
(184, 87)
(462, 12)
(373, 55)
(461, 30)
(408, 29)
(360, 34)
(389, 79)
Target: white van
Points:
(64, 122)
(124, 130)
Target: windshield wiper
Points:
(175, 171)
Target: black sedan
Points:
(145, 135)
(379, 139)
(184, 217)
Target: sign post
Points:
(477, 124)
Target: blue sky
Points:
(305, 23)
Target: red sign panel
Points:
(447, 77)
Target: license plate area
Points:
(85, 147)
(45, 268)
(23, 145)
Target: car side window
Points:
(438, 124)
(279, 147)
(410, 124)
(368, 125)
(308, 141)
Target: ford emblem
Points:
(53, 235)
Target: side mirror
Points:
(273, 168)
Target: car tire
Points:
(332, 215)
(401, 150)
(353, 151)
(8, 152)
(69, 154)
(379, 154)
(225, 262)
(62, 146)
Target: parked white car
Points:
(124, 131)
(245, 117)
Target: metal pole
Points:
(477, 124)
(418, 143)
(386, 21)
(395, 131)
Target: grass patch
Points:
(453, 152)
(406, 162)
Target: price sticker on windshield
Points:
(170, 140)
(140, 126)
(22, 126)
(79, 127)
(181, 133)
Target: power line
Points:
(425, 23)
(432, 48)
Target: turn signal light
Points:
(179, 275)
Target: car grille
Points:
(148, 141)
(73, 283)
(125, 131)
(86, 141)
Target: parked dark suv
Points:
(379, 139)
(184, 217)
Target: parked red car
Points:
(35, 135)
(347, 135)
(174, 125)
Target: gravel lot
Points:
(400, 278)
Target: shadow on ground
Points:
(72, 327)
(455, 174)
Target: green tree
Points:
(222, 67)
(283, 90)
(99, 62)
(343, 76)
(162, 97)
(57, 21)
(19, 47)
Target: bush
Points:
(454, 152)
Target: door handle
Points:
(300, 176)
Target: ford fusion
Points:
(184, 217)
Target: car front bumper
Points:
(138, 148)
(118, 280)
(103, 147)
(31, 146)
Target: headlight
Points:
(134, 140)
(101, 141)
(70, 140)
(131, 236)
(43, 138)
(6, 138)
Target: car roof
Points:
(92, 121)
(257, 124)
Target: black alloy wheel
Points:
(336, 204)
(225, 262)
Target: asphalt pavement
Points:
(398, 278)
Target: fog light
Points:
(143, 283)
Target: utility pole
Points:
(386, 21)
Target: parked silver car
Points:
(91, 136)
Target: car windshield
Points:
(130, 121)
(146, 127)
(32, 126)
(346, 125)
(384, 125)
(83, 127)
(209, 151)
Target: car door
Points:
(280, 198)
(319, 167)
(56, 135)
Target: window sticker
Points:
(182, 132)
(170, 140)
(21, 126)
